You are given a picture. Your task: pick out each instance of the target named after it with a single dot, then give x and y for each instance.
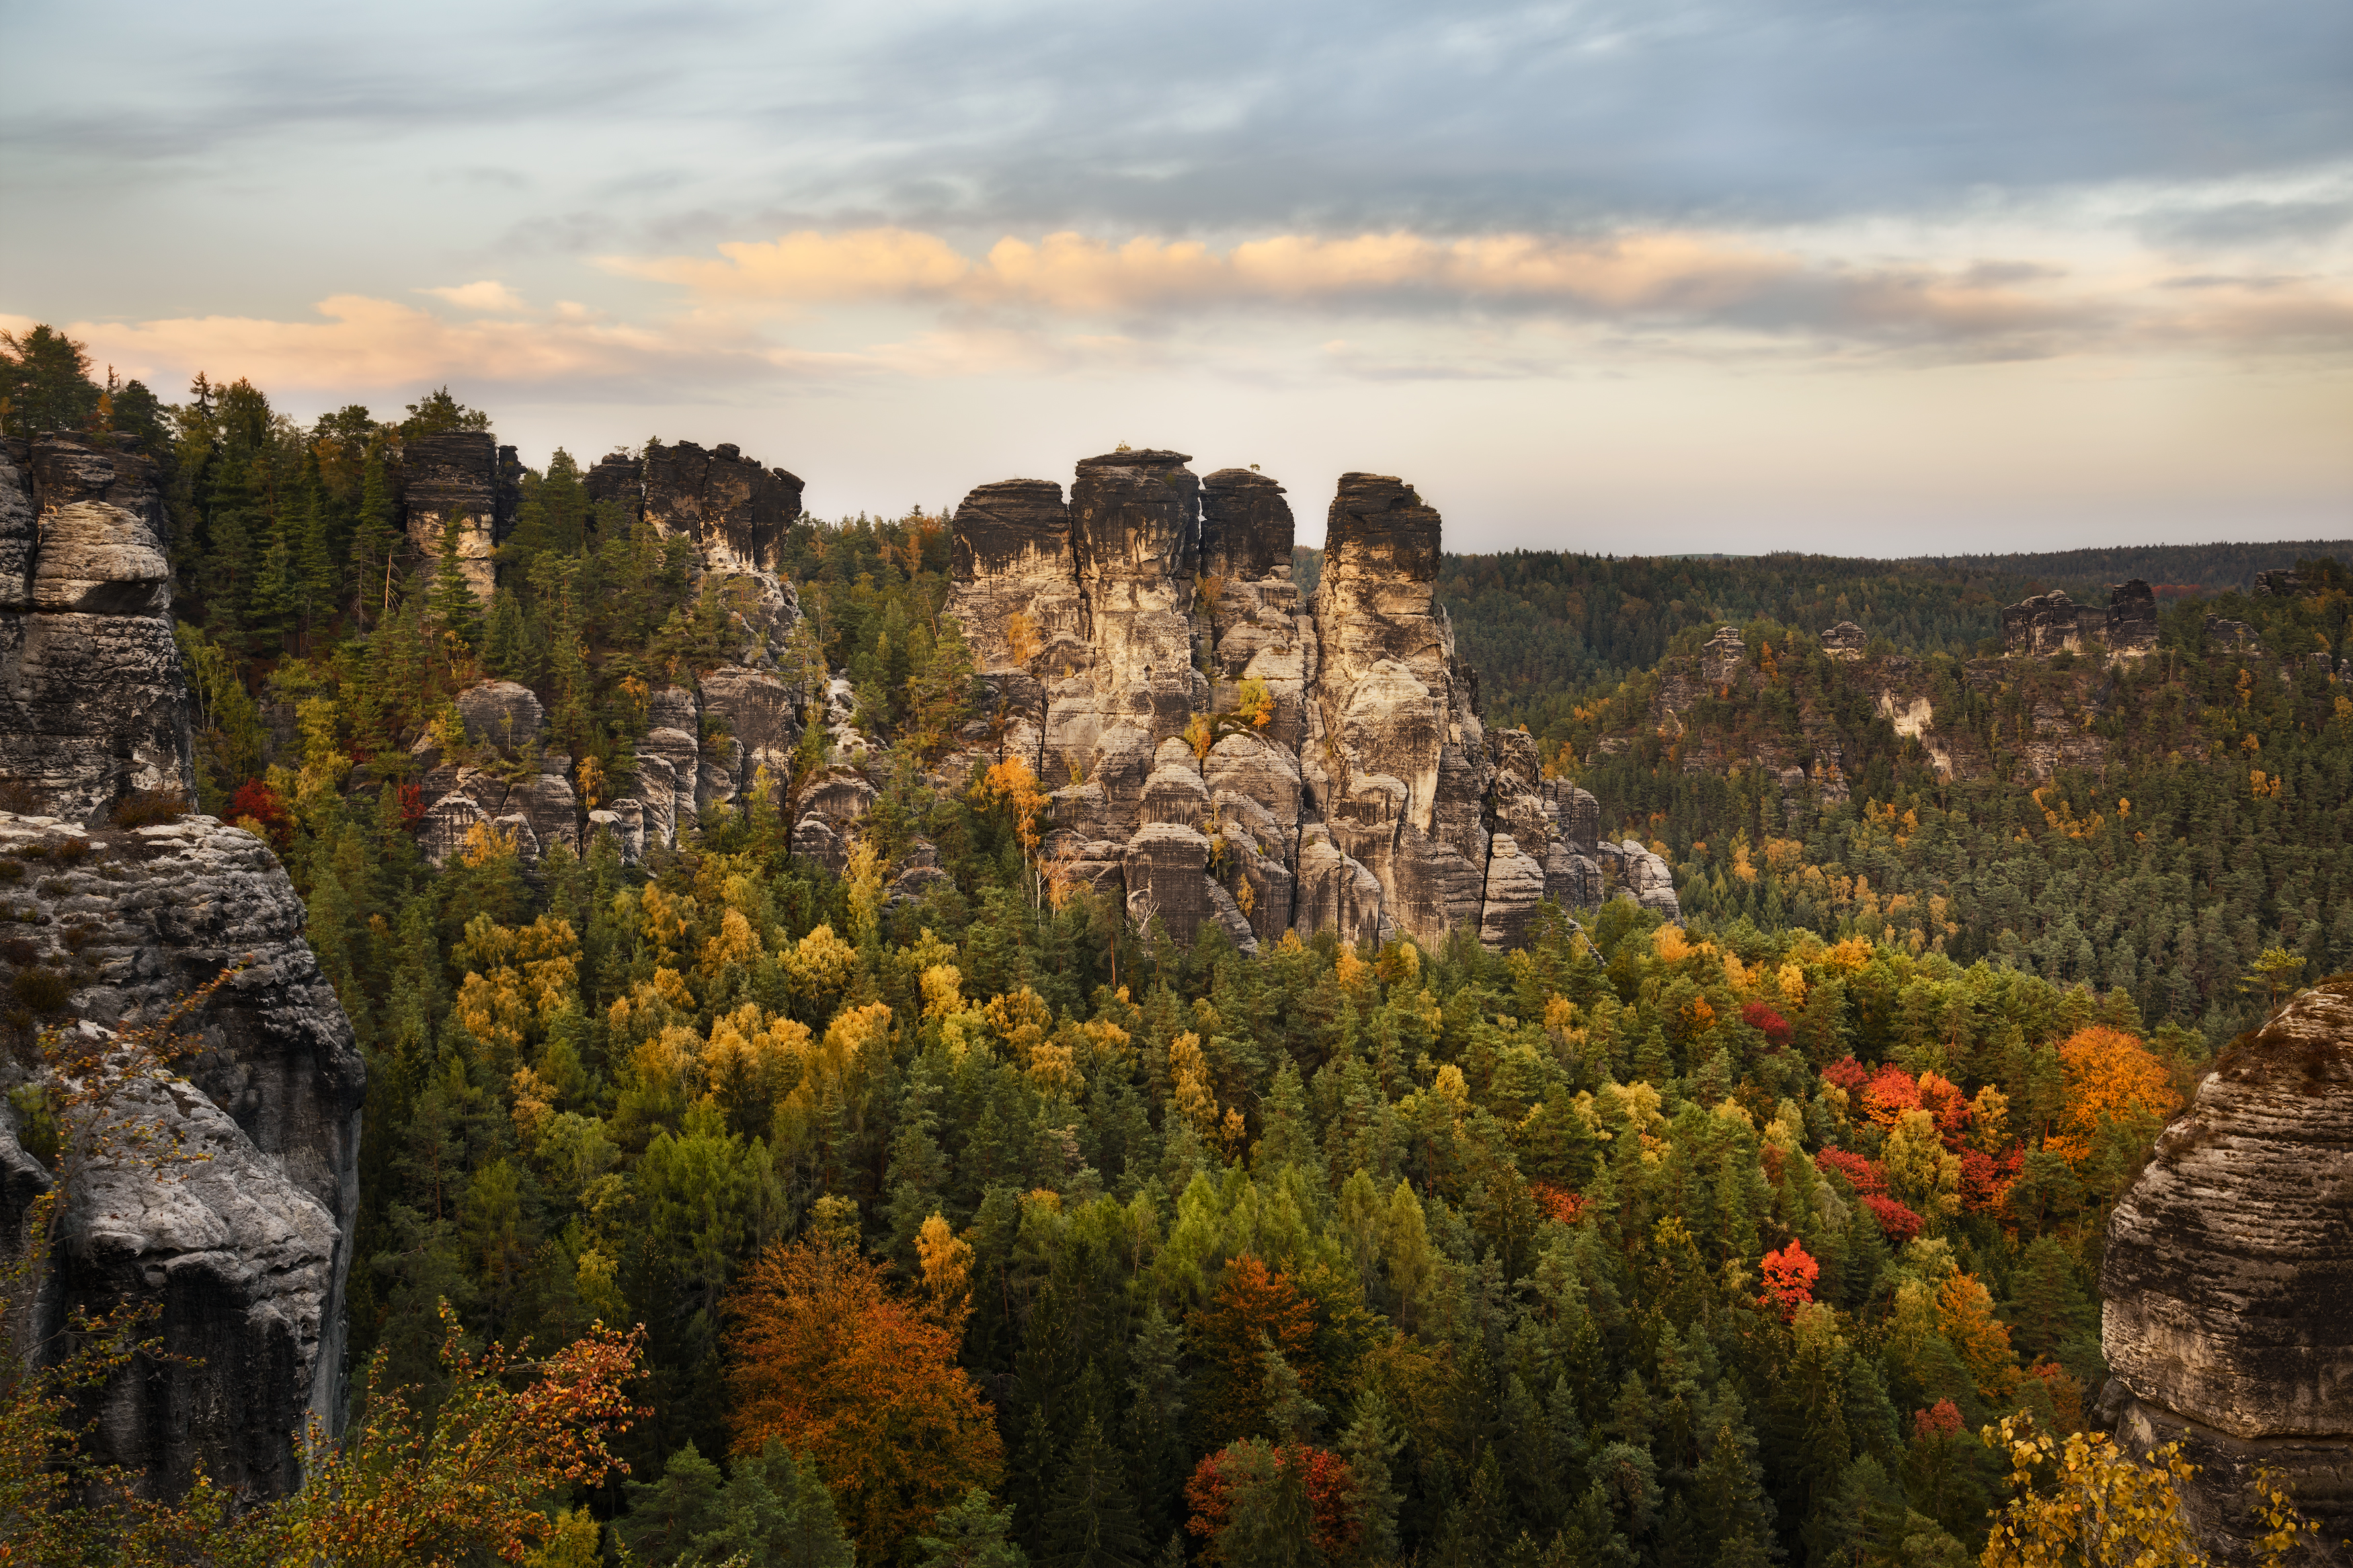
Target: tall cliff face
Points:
(93, 704)
(244, 1252)
(2228, 1279)
(1120, 638)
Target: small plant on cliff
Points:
(2082, 1499)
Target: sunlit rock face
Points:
(93, 706)
(1145, 653)
(2227, 1281)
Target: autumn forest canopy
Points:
(980, 1227)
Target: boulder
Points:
(2227, 1279)
(244, 1270)
(500, 715)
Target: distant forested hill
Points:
(1539, 625)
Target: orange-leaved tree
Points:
(825, 1358)
(2112, 1080)
(1254, 1309)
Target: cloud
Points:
(486, 295)
(1663, 282)
(1074, 274)
(368, 343)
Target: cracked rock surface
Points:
(2227, 1281)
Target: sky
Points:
(1895, 278)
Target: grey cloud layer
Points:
(1327, 116)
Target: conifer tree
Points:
(450, 607)
(1091, 1520)
(376, 536)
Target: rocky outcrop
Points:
(2227, 1280)
(1214, 749)
(2054, 622)
(735, 511)
(465, 479)
(243, 1254)
(1845, 641)
(93, 706)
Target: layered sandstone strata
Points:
(2054, 622)
(2228, 1279)
(460, 489)
(92, 703)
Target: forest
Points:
(1542, 627)
(979, 1228)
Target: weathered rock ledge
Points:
(2228, 1279)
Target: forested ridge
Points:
(976, 1228)
(1541, 624)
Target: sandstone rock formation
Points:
(1845, 641)
(2228, 1279)
(246, 1253)
(1215, 748)
(92, 703)
(465, 478)
(2054, 622)
(1212, 748)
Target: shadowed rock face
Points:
(2054, 622)
(2228, 1277)
(243, 1255)
(1358, 792)
(734, 509)
(93, 705)
(1246, 532)
(467, 475)
(246, 1254)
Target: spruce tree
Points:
(376, 536)
(450, 607)
(667, 1515)
(1090, 1518)
(971, 1534)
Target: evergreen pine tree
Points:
(971, 1534)
(666, 1516)
(450, 607)
(376, 536)
(1091, 1520)
(778, 1513)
